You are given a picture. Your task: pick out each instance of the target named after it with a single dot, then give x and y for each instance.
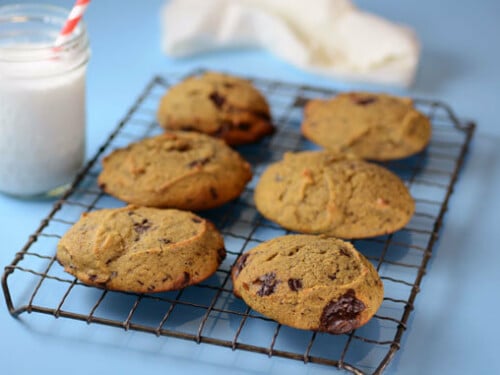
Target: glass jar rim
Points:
(48, 15)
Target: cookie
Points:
(183, 170)
(309, 282)
(217, 104)
(140, 249)
(339, 195)
(372, 126)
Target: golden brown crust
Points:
(309, 282)
(183, 170)
(372, 126)
(219, 105)
(140, 249)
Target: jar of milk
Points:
(42, 100)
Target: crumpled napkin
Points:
(330, 37)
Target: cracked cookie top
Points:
(372, 126)
(183, 170)
(139, 249)
(217, 104)
(309, 282)
(335, 194)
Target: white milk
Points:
(42, 128)
(42, 100)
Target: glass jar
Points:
(42, 100)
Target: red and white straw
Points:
(72, 21)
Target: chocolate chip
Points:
(196, 220)
(217, 99)
(365, 101)
(92, 277)
(295, 284)
(267, 283)
(142, 227)
(333, 276)
(341, 315)
(167, 277)
(198, 163)
(213, 192)
(140, 282)
(241, 262)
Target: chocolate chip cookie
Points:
(309, 282)
(217, 104)
(183, 170)
(335, 194)
(372, 126)
(139, 249)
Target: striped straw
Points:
(72, 21)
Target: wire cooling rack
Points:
(209, 313)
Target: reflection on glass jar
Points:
(42, 100)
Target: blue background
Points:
(454, 327)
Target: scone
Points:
(309, 282)
(372, 126)
(339, 195)
(217, 104)
(139, 249)
(183, 170)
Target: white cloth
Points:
(330, 37)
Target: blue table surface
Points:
(453, 329)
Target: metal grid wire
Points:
(208, 312)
